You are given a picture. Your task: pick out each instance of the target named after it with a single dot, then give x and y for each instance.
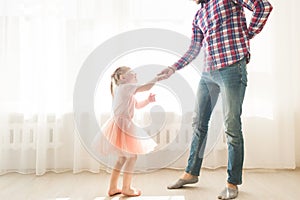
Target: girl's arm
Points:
(147, 86)
(145, 102)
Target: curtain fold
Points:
(44, 43)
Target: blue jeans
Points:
(231, 82)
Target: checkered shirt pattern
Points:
(220, 30)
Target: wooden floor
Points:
(258, 185)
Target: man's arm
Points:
(190, 55)
(261, 10)
(193, 51)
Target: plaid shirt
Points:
(220, 30)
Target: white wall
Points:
(297, 138)
(295, 51)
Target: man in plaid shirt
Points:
(221, 32)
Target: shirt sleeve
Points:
(194, 48)
(261, 10)
(130, 88)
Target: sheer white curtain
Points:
(43, 44)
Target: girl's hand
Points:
(151, 97)
(166, 73)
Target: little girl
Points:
(120, 132)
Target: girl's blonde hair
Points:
(116, 76)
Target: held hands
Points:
(166, 73)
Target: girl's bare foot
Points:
(131, 192)
(114, 191)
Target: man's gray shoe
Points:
(228, 193)
(182, 182)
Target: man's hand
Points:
(166, 73)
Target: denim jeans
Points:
(231, 83)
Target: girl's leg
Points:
(128, 170)
(113, 186)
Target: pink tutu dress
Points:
(119, 134)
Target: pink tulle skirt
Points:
(121, 136)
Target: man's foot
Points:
(229, 193)
(114, 191)
(186, 178)
(131, 192)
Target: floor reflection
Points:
(142, 198)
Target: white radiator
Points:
(25, 133)
(20, 133)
